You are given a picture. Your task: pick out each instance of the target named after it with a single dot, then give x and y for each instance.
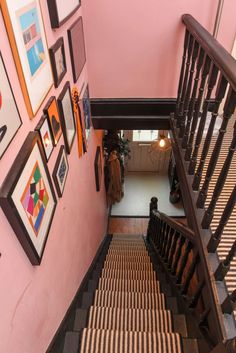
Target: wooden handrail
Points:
(218, 54)
(179, 227)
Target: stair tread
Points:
(112, 341)
(130, 319)
(124, 285)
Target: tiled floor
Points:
(128, 225)
(139, 187)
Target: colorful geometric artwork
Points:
(28, 199)
(35, 199)
(29, 24)
(51, 110)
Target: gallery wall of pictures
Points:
(55, 91)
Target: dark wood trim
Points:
(132, 106)
(194, 218)
(65, 325)
(131, 122)
(53, 13)
(218, 54)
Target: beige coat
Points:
(114, 193)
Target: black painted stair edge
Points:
(57, 343)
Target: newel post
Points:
(153, 205)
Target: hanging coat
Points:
(114, 193)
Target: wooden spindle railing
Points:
(220, 183)
(224, 266)
(220, 93)
(216, 237)
(229, 304)
(193, 99)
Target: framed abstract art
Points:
(26, 34)
(58, 61)
(44, 131)
(60, 11)
(98, 168)
(27, 198)
(67, 116)
(87, 112)
(51, 110)
(10, 120)
(77, 48)
(60, 171)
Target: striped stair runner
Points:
(229, 233)
(129, 313)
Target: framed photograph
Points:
(26, 34)
(98, 168)
(28, 199)
(67, 116)
(87, 112)
(60, 171)
(44, 131)
(51, 110)
(77, 48)
(58, 61)
(10, 120)
(60, 11)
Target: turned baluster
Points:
(216, 237)
(173, 249)
(185, 81)
(224, 266)
(228, 111)
(168, 247)
(211, 84)
(184, 261)
(159, 232)
(177, 255)
(219, 184)
(190, 274)
(193, 99)
(181, 78)
(229, 304)
(220, 93)
(163, 231)
(197, 295)
(188, 91)
(205, 72)
(167, 235)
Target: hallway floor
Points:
(139, 187)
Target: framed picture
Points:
(60, 11)
(10, 120)
(67, 116)
(58, 61)
(77, 48)
(26, 34)
(27, 198)
(82, 146)
(44, 131)
(98, 168)
(51, 110)
(87, 112)
(60, 171)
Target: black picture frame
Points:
(55, 50)
(56, 22)
(29, 175)
(51, 110)
(67, 117)
(6, 131)
(98, 168)
(77, 48)
(44, 128)
(61, 163)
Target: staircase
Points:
(126, 308)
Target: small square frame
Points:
(59, 45)
(62, 158)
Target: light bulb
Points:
(162, 143)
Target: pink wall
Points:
(134, 47)
(33, 300)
